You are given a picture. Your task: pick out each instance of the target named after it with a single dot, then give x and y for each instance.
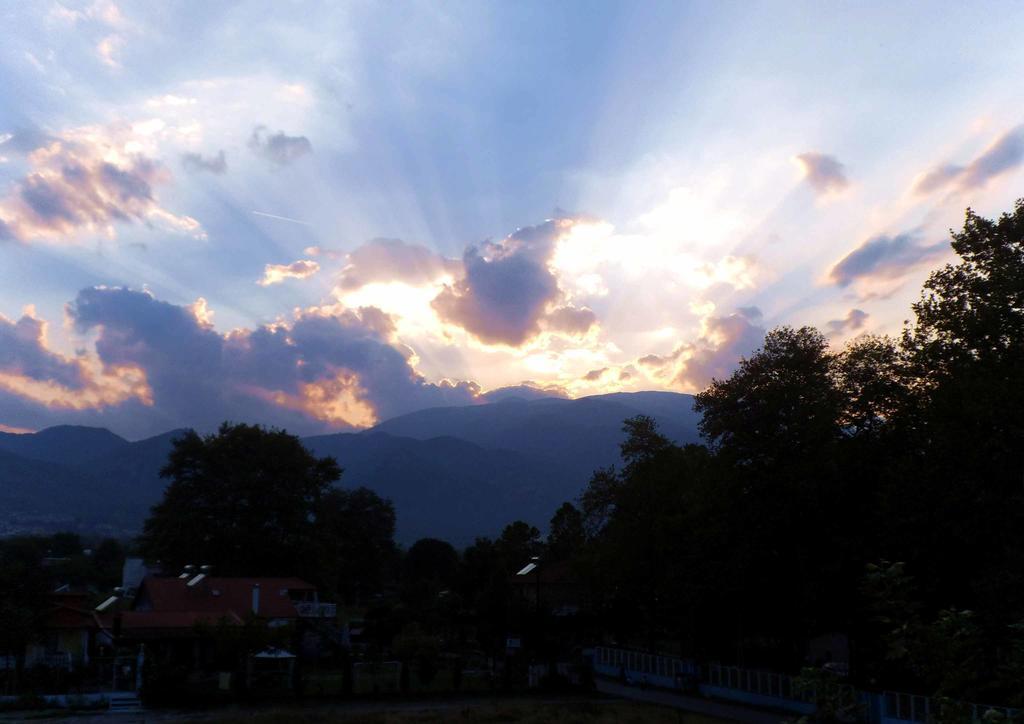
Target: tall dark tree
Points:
(24, 585)
(962, 494)
(356, 532)
(780, 404)
(517, 544)
(874, 382)
(243, 500)
(433, 561)
(566, 534)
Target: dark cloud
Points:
(327, 369)
(1005, 154)
(884, 257)
(507, 286)
(36, 381)
(824, 173)
(595, 375)
(278, 147)
(384, 260)
(853, 321)
(196, 162)
(23, 353)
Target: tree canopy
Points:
(253, 501)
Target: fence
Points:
(760, 688)
(655, 669)
(895, 707)
(782, 692)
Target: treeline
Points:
(876, 491)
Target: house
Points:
(173, 607)
(72, 635)
(553, 584)
(189, 623)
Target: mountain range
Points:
(452, 472)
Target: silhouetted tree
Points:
(566, 535)
(779, 405)
(24, 586)
(517, 544)
(243, 500)
(355, 530)
(433, 561)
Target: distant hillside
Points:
(584, 433)
(452, 472)
(445, 487)
(63, 444)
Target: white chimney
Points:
(256, 599)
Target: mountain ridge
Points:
(452, 472)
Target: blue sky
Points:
(319, 216)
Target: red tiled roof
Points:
(217, 597)
(137, 621)
(68, 617)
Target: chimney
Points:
(256, 599)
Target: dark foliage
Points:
(877, 490)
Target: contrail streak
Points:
(282, 218)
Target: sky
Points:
(320, 216)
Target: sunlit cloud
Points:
(88, 181)
(31, 370)
(277, 273)
(386, 260)
(325, 368)
(152, 126)
(15, 430)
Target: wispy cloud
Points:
(823, 173)
(885, 257)
(197, 162)
(278, 147)
(853, 321)
(1005, 154)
